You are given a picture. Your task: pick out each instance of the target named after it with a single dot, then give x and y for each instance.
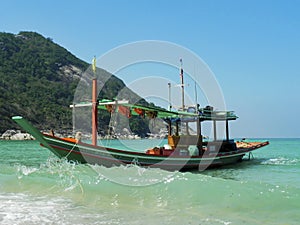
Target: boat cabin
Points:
(198, 116)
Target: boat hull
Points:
(86, 153)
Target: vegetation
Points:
(38, 79)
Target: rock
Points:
(15, 135)
(7, 134)
(21, 137)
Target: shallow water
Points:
(38, 188)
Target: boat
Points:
(183, 152)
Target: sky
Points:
(251, 46)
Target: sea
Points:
(38, 188)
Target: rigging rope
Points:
(71, 150)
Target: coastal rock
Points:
(21, 137)
(7, 134)
(15, 135)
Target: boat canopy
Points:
(128, 109)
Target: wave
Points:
(20, 208)
(281, 161)
(85, 194)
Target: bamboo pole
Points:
(94, 112)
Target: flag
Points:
(139, 111)
(94, 64)
(110, 108)
(125, 111)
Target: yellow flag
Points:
(94, 64)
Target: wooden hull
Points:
(87, 153)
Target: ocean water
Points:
(38, 188)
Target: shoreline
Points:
(18, 135)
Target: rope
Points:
(71, 150)
(250, 156)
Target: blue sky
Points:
(253, 47)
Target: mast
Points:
(94, 105)
(182, 85)
(196, 97)
(170, 104)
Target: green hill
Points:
(38, 79)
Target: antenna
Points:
(182, 85)
(196, 97)
(170, 104)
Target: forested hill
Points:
(38, 79)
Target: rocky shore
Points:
(18, 135)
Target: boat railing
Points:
(215, 115)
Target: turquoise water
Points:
(37, 188)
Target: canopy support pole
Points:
(177, 129)
(199, 134)
(227, 131)
(215, 130)
(169, 127)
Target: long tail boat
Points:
(183, 151)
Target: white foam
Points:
(281, 161)
(23, 170)
(25, 209)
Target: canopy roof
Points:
(136, 109)
(124, 107)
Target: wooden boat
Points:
(183, 152)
